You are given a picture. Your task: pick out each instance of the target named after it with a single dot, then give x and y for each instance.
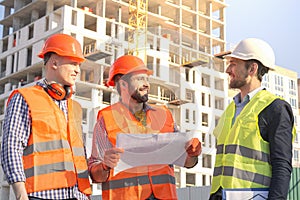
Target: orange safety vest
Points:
(139, 182)
(54, 157)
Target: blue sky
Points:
(275, 21)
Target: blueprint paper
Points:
(151, 149)
(247, 193)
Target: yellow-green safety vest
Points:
(243, 157)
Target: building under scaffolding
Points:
(177, 38)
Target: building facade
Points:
(178, 44)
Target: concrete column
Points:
(16, 23)
(100, 8)
(18, 4)
(159, 10)
(120, 15)
(9, 65)
(50, 7)
(5, 29)
(34, 15)
(6, 11)
(222, 29)
(74, 3)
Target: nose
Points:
(146, 83)
(77, 68)
(228, 69)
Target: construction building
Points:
(176, 38)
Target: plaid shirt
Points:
(16, 132)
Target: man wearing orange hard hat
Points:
(132, 114)
(43, 153)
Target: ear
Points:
(253, 68)
(123, 84)
(54, 66)
(54, 62)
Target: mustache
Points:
(138, 97)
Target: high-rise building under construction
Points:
(176, 38)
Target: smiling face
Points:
(238, 73)
(63, 70)
(139, 87)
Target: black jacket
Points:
(276, 123)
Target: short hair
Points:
(261, 70)
(125, 77)
(47, 57)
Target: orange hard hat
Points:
(63, 45)
(126, 64)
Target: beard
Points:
(237, 84)
(138, 97)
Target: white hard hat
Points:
(253, 48)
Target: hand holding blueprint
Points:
(151, 149)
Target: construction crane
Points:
(137, 34)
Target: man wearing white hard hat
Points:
(255, 133)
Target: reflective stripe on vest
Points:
(239, 173)
(243, 151)
(59, 166)
(55, 149)
(243, 174)
(242, 159)
(45, 146)
(47, 169)
(140, 182)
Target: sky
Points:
(275, 21)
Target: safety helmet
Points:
(253, 48)
(63, 45)
(124, 65)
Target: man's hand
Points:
(20, 191)
(193, 147)
(99, 172)
(112, 157)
